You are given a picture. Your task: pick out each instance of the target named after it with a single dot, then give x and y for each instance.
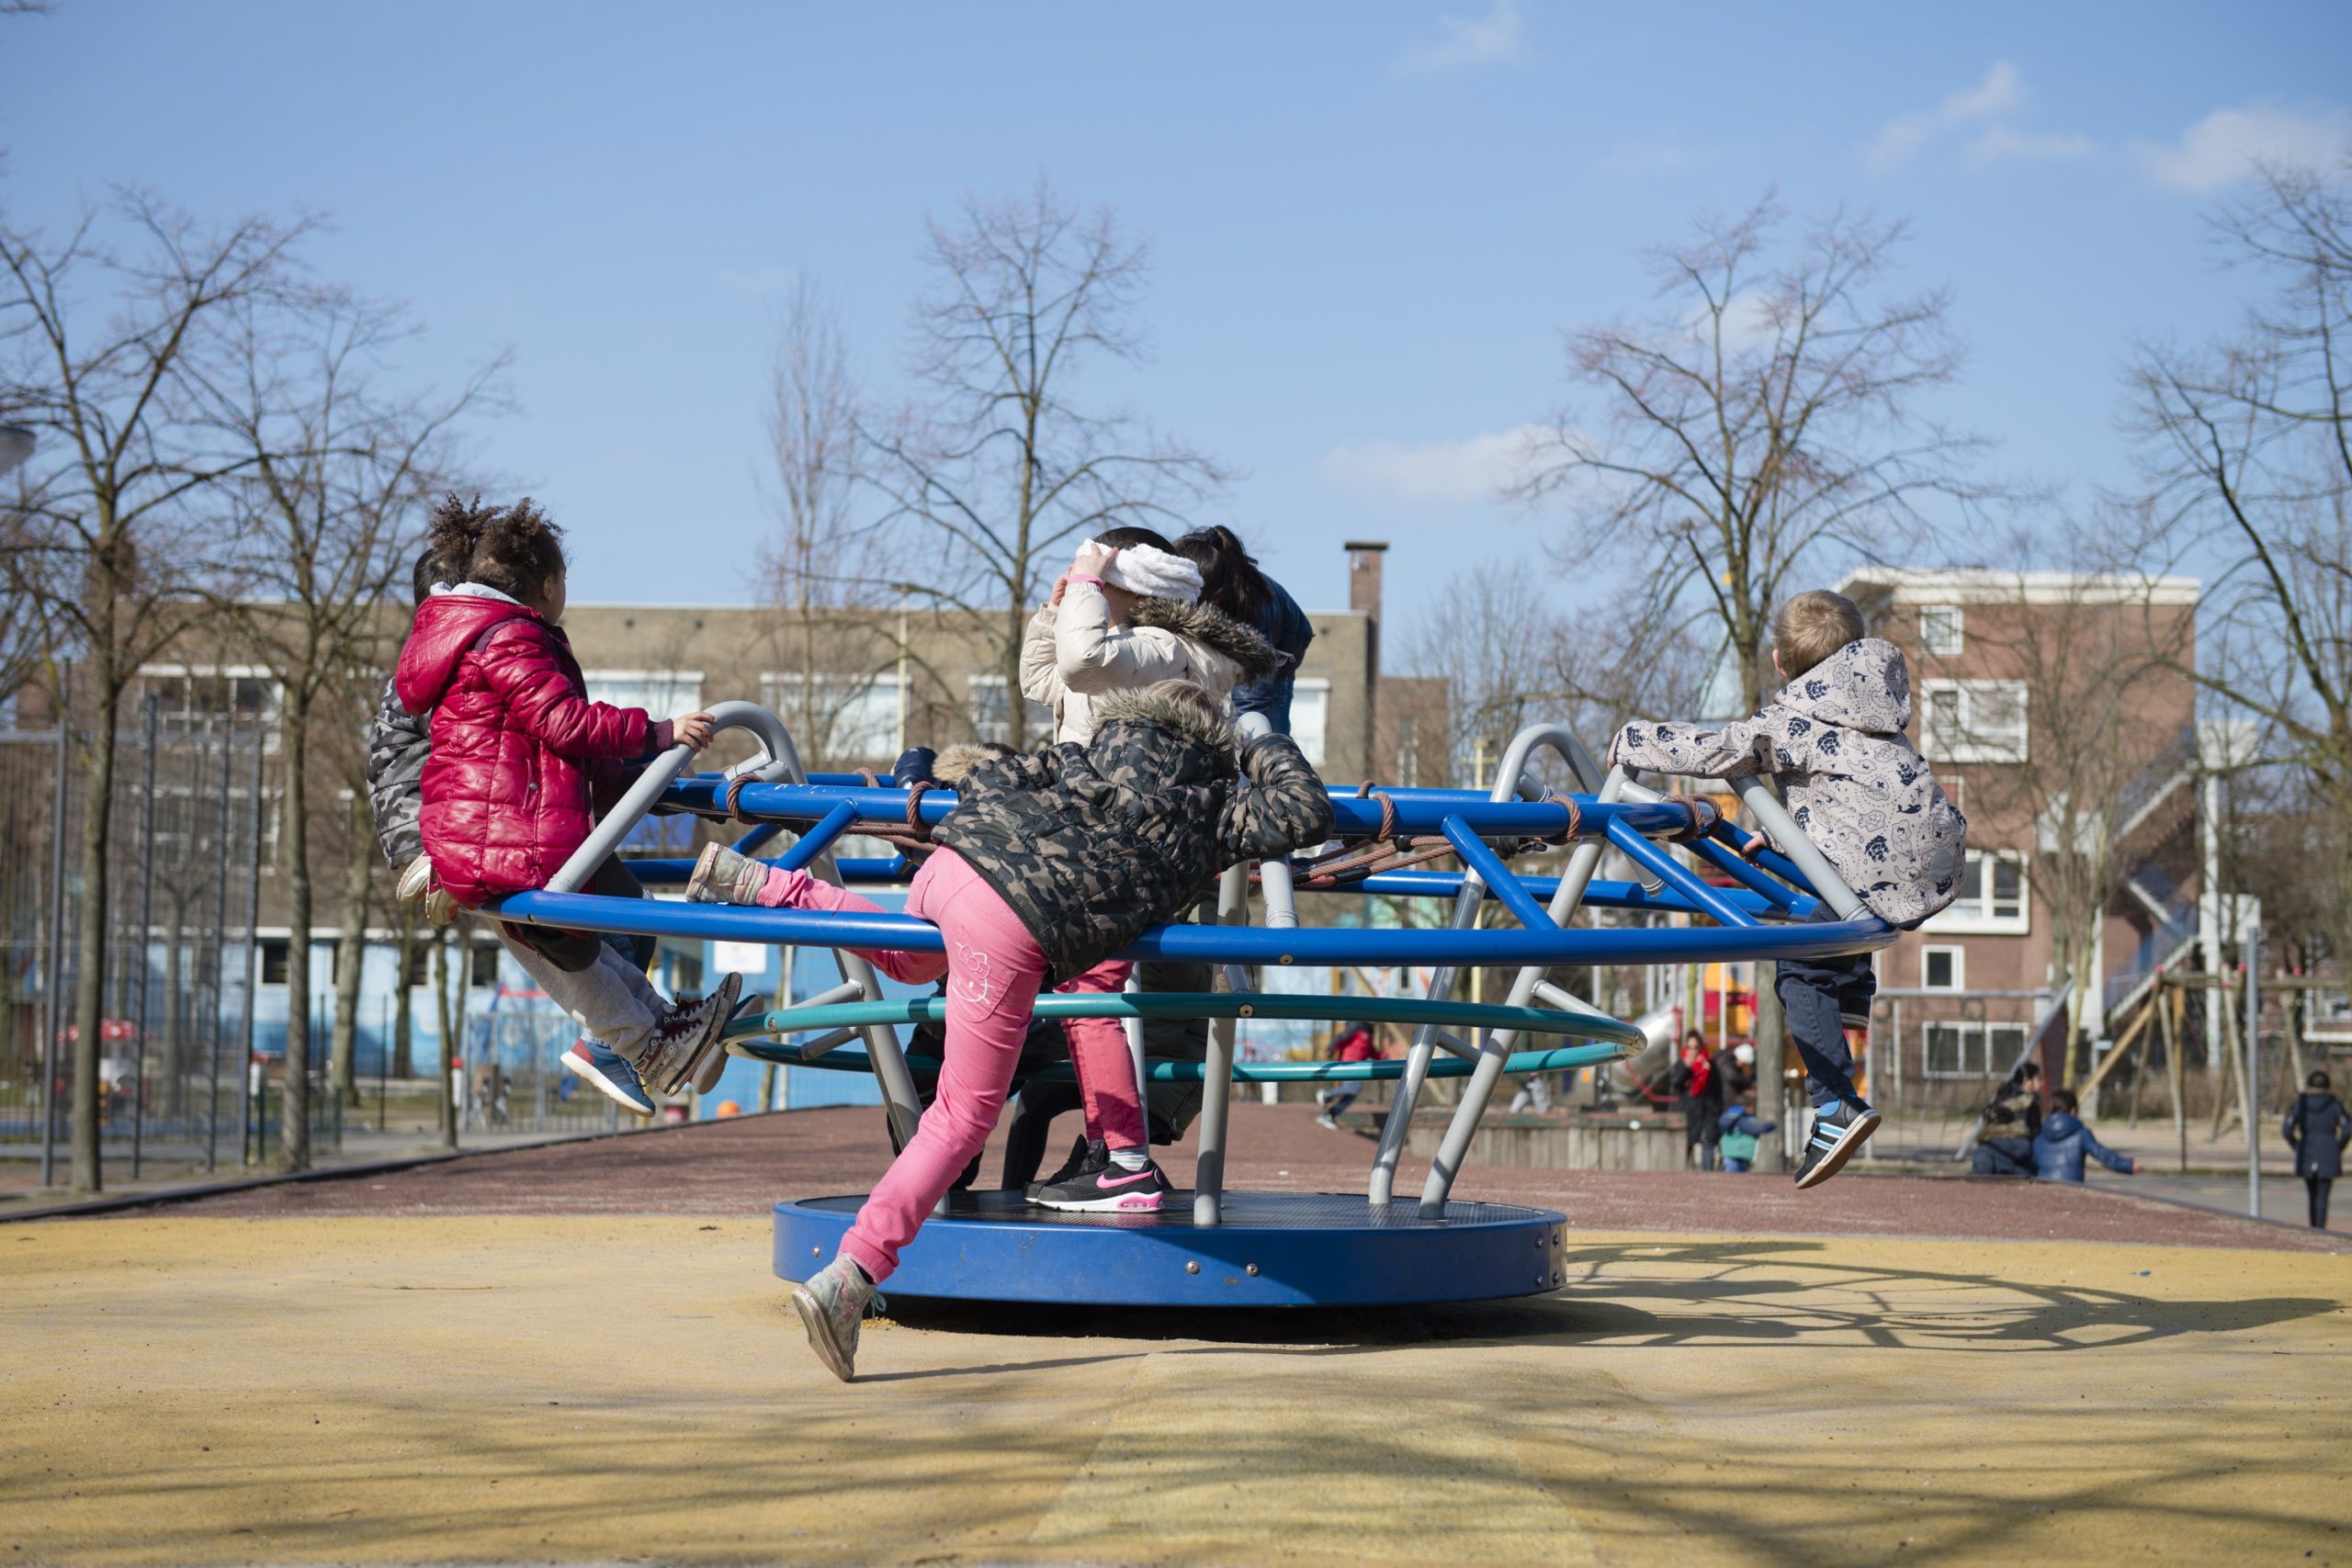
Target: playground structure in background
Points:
(1232, 1248)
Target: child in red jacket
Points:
(517, 747)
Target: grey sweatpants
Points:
(611, 999)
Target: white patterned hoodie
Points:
(1833, 738)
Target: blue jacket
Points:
(1284, 625)
(2060, 1148)
(1740, 1118)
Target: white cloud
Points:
(1463, 43)
(2002, 143)
(1473, 468)
(2001, 92)
(2225, 145)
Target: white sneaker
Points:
(685, 1047)
(416, 879)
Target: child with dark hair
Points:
(1049, 863)
(2063, 1143)
(1231, 581)
(1833, 736)
(508, 785)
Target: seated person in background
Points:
(1833, 738)
(2005, 1143)
(1737, 1131)
(2060, 1148)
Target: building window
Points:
(1939, 631)
(1974, 721)
(419, 964)
(1310, 716)
(273, 952)
(837, 718)
(992, 716)
(484, 956)
(663, 693)
(1992, 898)
(1969, 1050)
(1943, 968)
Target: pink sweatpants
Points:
(993, 967)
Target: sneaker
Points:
(1327, 1120)
(1085, 1159)
(722, 876)
(416, 880)
(687, 1038)
(440, 909)
(1110, 1191)
(1837, 1133)
(832, 1304)
(608, 1071)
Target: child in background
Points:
(398, 744)
(1048, 863)
(1354, 1043)
(506, 787)
(1833, 738)
(1737, 1131)
(2060, 1146)
(1231, 582)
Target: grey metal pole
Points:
(136, 963)
(213, 965)
(2253, 1074)
(52, 1015)
(1216, 1094)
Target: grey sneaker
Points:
(687, 1040)
(832, 1304)
(722, 876)
(416, 880)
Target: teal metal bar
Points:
(1552, 1061)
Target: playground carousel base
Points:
(1269, 1249)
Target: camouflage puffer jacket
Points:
(398, 744)
(1854, 783)
(1091, 844)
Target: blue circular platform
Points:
(1272, 1249)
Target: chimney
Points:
(1363, 598)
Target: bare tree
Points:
(325, 514)
(2247, 443)
(1001, 469)
(819, 570)
(122, 477)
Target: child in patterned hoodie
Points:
(1833, 739)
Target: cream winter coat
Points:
(1072, 657)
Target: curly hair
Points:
(512, 549)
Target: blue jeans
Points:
(1271, 697)
(1821, 997)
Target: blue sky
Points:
(1371, 222)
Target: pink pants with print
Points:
(993, 967)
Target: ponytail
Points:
(1230, 580)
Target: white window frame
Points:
(1959, 957)
(684, 687)
(1977, 917)
(1320, 687)
(1970, 745)
(862, 689)
(1979, 1056)
(1950, 619)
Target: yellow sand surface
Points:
(591, 1390)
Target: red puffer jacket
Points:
(515, 740)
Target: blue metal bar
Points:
(1642, 852)
(1730, 862)
(751, 843)
(817, 840)
(1554, 1060)
(1742, 939)
(1497, 876)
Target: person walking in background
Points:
(1230, 581)
(1354, 1043)
(2063, 1143)
(1699, 1093)
(1738, 1128)
(2317, 1128)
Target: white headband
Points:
(1152, 572)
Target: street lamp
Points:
(16, 446)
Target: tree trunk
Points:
(294, 861)
(1771, 1064)
(1016, 705)
(90, 976)
(403, 1029)
(448, 1041)
(351, 959)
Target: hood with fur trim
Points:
(1147, 705)
(1211, 628)
(955, 762)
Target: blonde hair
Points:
(1812, 626)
